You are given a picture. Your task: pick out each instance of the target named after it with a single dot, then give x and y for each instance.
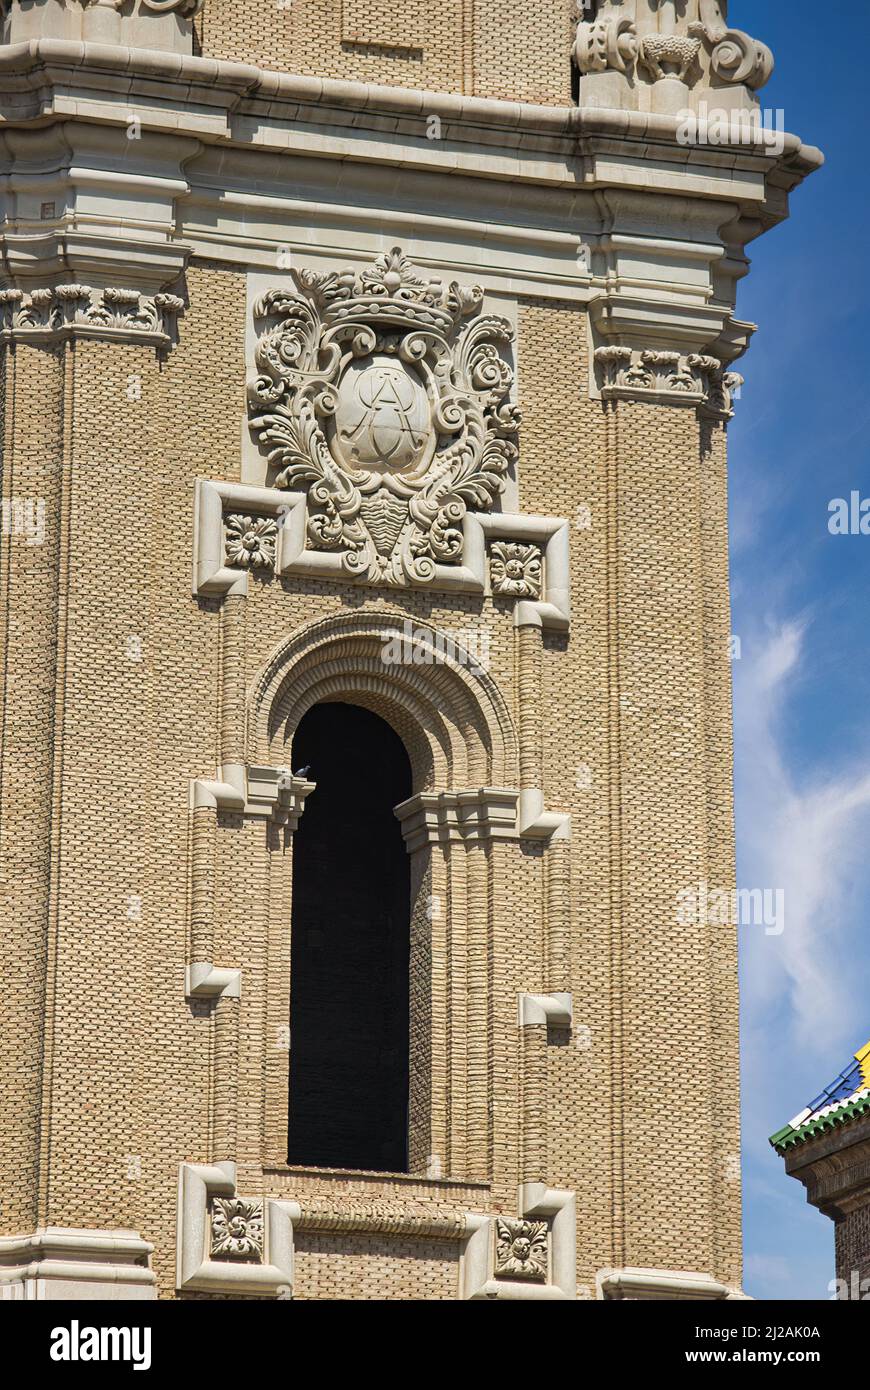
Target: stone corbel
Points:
(529, 1258)
(488, 813)
(228, 1244)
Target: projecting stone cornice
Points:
(238, 102)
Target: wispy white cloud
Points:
(804, 831)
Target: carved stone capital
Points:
(270, 793)
(65, 311)
(667, 377)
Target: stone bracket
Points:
(546, 1010)
(202, 980)
(196, 1269)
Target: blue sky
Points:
(801, 437)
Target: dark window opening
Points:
(350, 946)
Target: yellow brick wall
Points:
(639, 1112)
(33, 437)
(489, 48)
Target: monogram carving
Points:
(384, 396)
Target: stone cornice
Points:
(43, 77)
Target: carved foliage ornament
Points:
(696, 378)
(384, 396)
(251, 541)
(521, 1249)
(78, 309)
(236, 1228)
(611, 41)
(516, 569)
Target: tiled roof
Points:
(846, 1097)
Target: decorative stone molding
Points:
(214, 570)
(538, 824)
(448, 817)
(78, 311)
(273, 793)
(472, 817)
(546, 1010)
(59, 1262)
(237, 1228)
(515, 569)
(522, 1249)
(384, 397)
(667, 378)
(546, 1215)
(635, 1283)
(213, 1219)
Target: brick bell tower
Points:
(366, 376)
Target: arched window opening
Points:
(350, 946)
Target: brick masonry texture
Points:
(490, 48)
(115, 677)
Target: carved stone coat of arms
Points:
(384, 397)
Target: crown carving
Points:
(389, 292)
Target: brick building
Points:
(827, 1148)
(366, 373)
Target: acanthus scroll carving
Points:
(735, 57)
(384, 396)
(667, 40)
